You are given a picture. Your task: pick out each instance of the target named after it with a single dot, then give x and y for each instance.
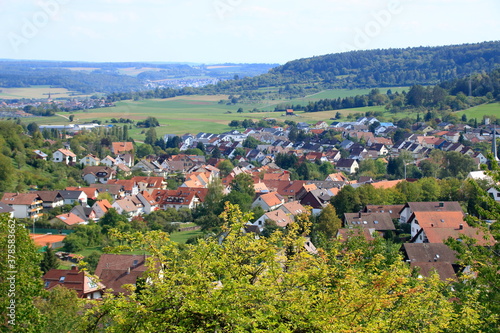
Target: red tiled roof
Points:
(70, 218)
(19, 198)
(271, 199)
(67, 152)
(89, 191)
(122, 147)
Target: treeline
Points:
(451, 95)
(389, 67)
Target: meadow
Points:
(478, 112)
(37, 92)
(204, 113)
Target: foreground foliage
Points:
(239, 283)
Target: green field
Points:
(342, 93)
(191, 114)
(194, 114)
(37, 92)
(491, 109)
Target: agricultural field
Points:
(342, 93)
(37, 92)
(478, 112)
(203, 113)
(190, 114)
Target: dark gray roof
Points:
(429, 252)
(70, 194)
(377, 221)
(5, 208)
(49, 196)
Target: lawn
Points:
(183, 236)
(490, 109)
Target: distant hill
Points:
(91, 77)
(389, 67)
(373, 68)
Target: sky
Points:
(237, 31)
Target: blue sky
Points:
(211, 31)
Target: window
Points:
(62, 278)
(47, 283)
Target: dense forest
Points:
(419, 65)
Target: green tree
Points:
(61, 309)
(241, 283)
(20, 278)
(251, 142)
(225, 167)
(49, 260)
(125, 133)
(112, 220)
(431, 191)
(243, 183)
(7, 174)
(145, 150)
(346, 201)
(328, 222)
(151, 136)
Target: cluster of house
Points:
(281, 198)
(357, 141)
(431, 224)
(66, 104)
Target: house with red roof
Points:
(64, 156)
(116, 270)
(148, 202)
(90, 160)
(437, 227)
(180, 198)
(25, 205)
(150, 184)
(269, 201)
(118, 148)
(101, 207)
(80, 281)
(277, 217)
(69, 219)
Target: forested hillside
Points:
(420, 65)
(371, 68)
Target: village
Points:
(280, 198)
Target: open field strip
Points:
(203, 113)
(478, 112)
(37, 92)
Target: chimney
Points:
(73, 267)
(359, 214)
(461, 227)
(128, 271)
(441, 204)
